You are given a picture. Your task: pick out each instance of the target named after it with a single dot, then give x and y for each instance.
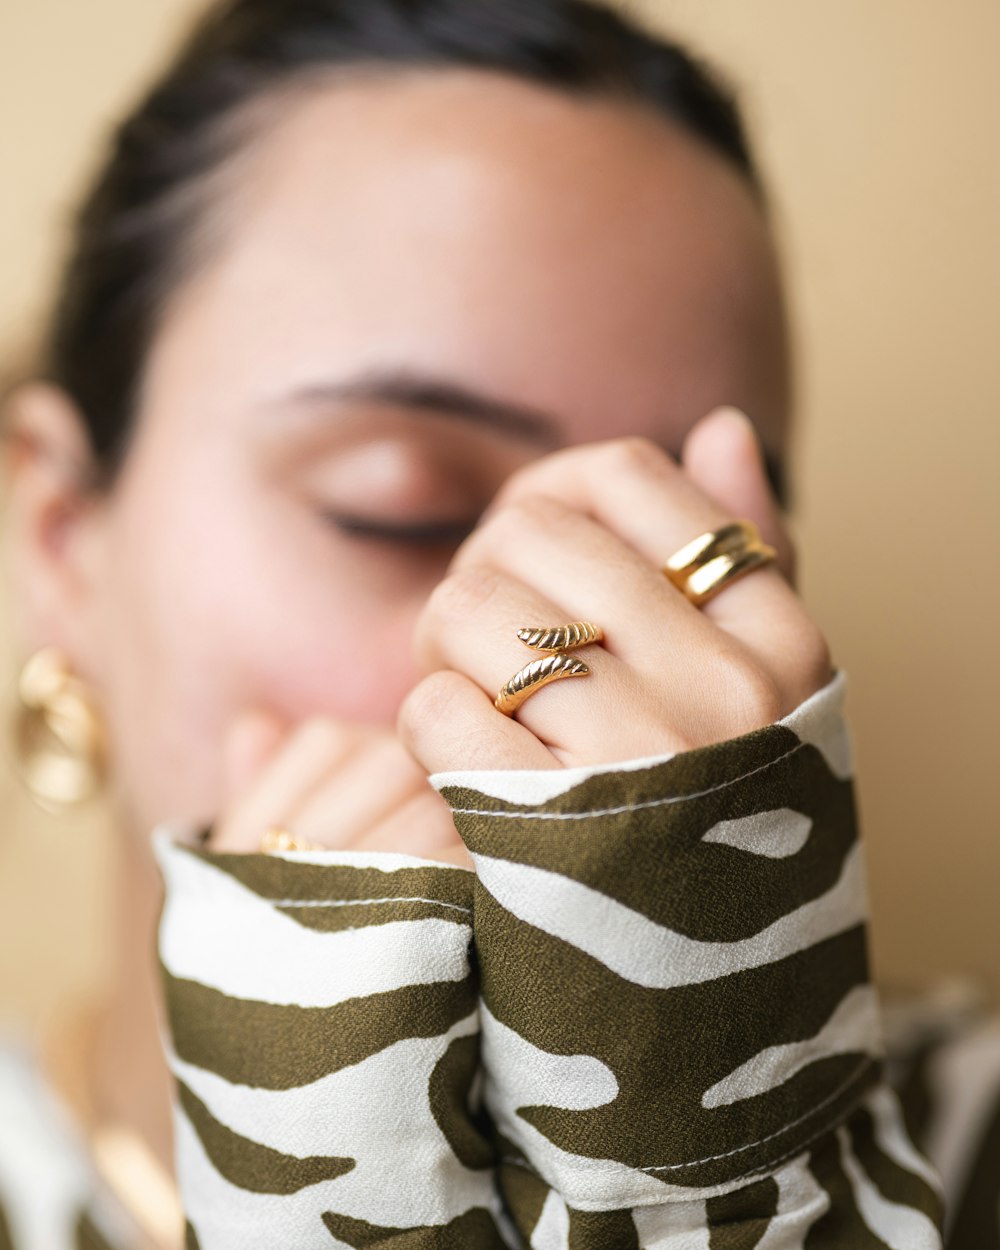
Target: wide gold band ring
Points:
(556, 641)
(705, 567)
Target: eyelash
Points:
(429, 534)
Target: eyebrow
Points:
(421, 392)
(425, 393)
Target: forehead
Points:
(579, 256)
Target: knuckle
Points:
(321, 733)
(533, 478)
(387, 751)
(525, 516)
(518, 482)
(815, 661)
(425, 700)
(522, 515)
(428, 704)
(630, 453)
(752, 695)
(636, 453)
(464, 592)
(501, 540)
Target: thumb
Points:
(251, 740)
(723, 456)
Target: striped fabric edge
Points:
(677, 1015)
(324, 1037)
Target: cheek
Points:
(222, 598)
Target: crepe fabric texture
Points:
(644, 1021)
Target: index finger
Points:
(633, 488)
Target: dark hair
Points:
(134, 232)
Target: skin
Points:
(599, 277)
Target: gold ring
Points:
(279, 839)
(713, 561)
(556, 641)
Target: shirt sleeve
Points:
(680, 1040)
(323, 1033)
(944, 1050)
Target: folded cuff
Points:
(325, 1041)
(673, 959)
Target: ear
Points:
(55, 521)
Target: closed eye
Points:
(431, 533)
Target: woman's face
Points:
(420, 283)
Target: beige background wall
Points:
(877, 122)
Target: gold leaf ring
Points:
(561, 637)
(557, 641)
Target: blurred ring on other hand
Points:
(279, 839)
(707, 565)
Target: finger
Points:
(423, 827)
(447, 722)
(688, 664)
(304, 758)
(634, 489)
(595, 576)
(361, 790)
(455, 854)
(723, 456)
(251, 742)
(470, 625)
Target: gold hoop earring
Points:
(58, 733)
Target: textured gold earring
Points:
(58, 734)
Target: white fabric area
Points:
(779, 834)
(45, 1176)
(801, 1202)
(184, 833)
(853, 1028)
(518, 1074)
(892, 1139)
(552, 1230)
(210, 921)
(648, 954)
(572, 1082)
(901, 1228)
(376, 1112)
(965, 1079)
(673, 1226)
(228, 1218)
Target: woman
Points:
(391, 328)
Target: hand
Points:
(582, 535)
(344, 787)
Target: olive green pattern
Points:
(473, 1229)
(89, 1236)
(294, 1046)
(6, 1240)
(250, 1165)
(644, 1023)
(347, 1117)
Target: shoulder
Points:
(48, 1193)
(944, 1060)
